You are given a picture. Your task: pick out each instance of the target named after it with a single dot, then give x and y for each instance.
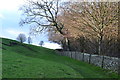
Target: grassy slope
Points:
(28, 61)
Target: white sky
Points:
(10, 4)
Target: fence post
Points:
(62, 53)
(66, 53)
(83, 57)
(75, 54)
(118, 66)
(70, 55)
(90, 58)
(102, 65)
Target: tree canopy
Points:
(21, 38)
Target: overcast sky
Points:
(9, 22)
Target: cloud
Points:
(52, 45)
(49, 45)
(1, 16)
(15, 32)
(2, 36)
(10, 4)
(12, 33)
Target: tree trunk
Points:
(99, 47)
(100, 44)
(67, 44)
(118, 39)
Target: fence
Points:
(105, 62)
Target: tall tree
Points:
(95, 19)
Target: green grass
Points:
(28, 61)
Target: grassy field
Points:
(28, 61)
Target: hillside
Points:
(29, 61)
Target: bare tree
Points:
(41, 43)
(21, 38)
(42, 14)
(29, 40)
(96, 19)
